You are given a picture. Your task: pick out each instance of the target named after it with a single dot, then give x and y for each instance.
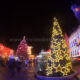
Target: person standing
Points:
(26, 63)
(11, 66)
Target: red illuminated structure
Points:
(67, 41)
(48, 50)
(5, 52)
(22, 50)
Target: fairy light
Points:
(58, 60)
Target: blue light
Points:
(76, 9)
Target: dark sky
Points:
(34, 20)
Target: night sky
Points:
(34, 20)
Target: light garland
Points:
(59, 59)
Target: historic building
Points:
(74, 39)
(74, 43)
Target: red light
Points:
(5, 50)
(78, 58)
(47, 50)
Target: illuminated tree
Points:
(59, 63)
(67, 40)
(22, 49)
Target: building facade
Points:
(74, 43)
(74, 39)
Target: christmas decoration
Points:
(41, 62)
(22, 49)
(67, 41)
(5, 52)
(76, 9)
(58, 64)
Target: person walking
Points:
(26, 64)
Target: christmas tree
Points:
(59, 63)
(22, 49)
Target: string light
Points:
(59, 60)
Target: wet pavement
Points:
(28, 74)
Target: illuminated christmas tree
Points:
(22, 49)
(59, 63)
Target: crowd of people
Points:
(15, 65)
